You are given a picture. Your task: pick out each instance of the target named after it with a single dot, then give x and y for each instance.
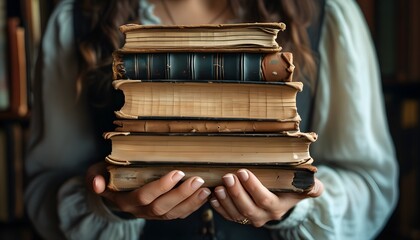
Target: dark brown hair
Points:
(104, 37)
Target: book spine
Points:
(197, 126)
(203, 66)
(4, 84)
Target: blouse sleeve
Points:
(356, 158)
(57, 200)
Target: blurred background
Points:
(395, 30)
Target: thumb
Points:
(317, 189)
(98, 184)
(95, 179)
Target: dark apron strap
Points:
(306, 98)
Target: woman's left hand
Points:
(245, 200)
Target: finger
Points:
(227, 204)
(262, 197)
(317, 189)
(99, 184)
(244, 202)
(190, 205)
(169, 200)
(216, 206)
(151, 191)
(129, 201)
(95, 179)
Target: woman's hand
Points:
(159, 199)
(244, 199)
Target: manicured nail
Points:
(196, 183)
(95, 185)
(243, 175)
(178, 175)
(220, 192)
(204, 194)
(229, 180)
(215, 203)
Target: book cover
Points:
(208, 100)
(249, 37)
(275, 178)
(289, 148)
(17, 68)
(271, 67)
(4, 86)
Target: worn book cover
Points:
(241, 66)
(288, 148)
(18, 93)
(248, 37)
(208, 100)
(276, 178)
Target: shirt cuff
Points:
(295, 217)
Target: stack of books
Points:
(207, 100)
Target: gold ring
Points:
(243, 221)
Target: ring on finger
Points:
(243, 221)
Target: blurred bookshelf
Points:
(21, 24)
(395, 28)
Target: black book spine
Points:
(189, 66)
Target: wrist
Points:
(285, 216)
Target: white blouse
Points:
(354, 151)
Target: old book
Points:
(209, 100)
(242, 66)
(17, 69)
(289, 148)
(275, 178)
(250, 37)
(4, 85)
(205, 126)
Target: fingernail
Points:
(243, 175)
(95, 184)
(228, 179)
(220, 193)
(196, 183)
(204, 194)
(178, 176)
(215, 203)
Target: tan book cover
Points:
(251, 37)
(277, 179)
(288, 148)
(208, 100)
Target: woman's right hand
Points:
(158, 200)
